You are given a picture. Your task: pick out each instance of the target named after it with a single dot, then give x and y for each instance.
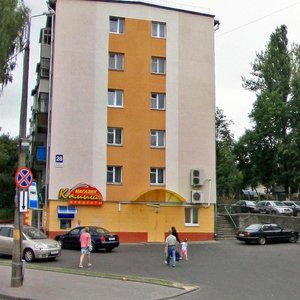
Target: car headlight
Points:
(40, 246)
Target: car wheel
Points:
(28, 255)
(293, 239)
(274, 212)
(262, 240)
(60, 242)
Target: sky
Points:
(245, 29)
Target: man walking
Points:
(170, 248)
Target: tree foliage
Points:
(8, 167)
(270, 150)
(13, 19)
(229, 178)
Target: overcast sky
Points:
(246, 26)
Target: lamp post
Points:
(17, 274)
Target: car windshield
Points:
(297, 203)
(251, 202)
(277, 203)
(33, 233)
(253, 227)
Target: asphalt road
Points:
(227, 270)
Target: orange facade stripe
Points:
(136, 117)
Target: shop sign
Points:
(81, 194)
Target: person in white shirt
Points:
(170, 248)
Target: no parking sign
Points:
(23, 178)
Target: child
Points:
(184, 246)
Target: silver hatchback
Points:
(35, 244)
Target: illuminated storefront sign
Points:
(81, 194)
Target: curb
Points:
(147, 280)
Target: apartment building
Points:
(130, 135)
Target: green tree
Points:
(8, 167)
(246, 150)
(291, 150)
(229, 178)
(13, 19)
(271, 114)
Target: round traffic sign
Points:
(23, 178)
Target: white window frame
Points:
(116, 174)
(46, 36)
(114, 133)
(116, 61)
(155, 176)
(157, 99)
(191, 216)
(157, 138)
(159, 29)
(158, 65)
(116, 25)
(117, 96)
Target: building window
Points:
(158, 65)
(45, 67)
(191, 216)
(157, 176)
(116, 25)
(45, 37)
(158, 101)
(115, 98)
(158, 29)
(114, 136)
(157, 138)
(116, 61)
(114, 175)
(43, 102)
(65, 224)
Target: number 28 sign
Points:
(59, 160)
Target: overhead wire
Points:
(258, 19)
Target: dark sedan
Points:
(243, 206)
(262, 233)
(101, 239)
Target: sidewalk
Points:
(49, 285)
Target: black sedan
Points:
(243, 206)
(101, 239)
(262, 233)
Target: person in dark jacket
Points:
(174, 232)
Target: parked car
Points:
(273, 207)
(262, 233)
(101, 239)
(35, 244)
(243, 206)
(295, 205)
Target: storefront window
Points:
(65, 224)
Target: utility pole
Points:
(17, 273)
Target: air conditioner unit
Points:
(197, 197)
(197, 177)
